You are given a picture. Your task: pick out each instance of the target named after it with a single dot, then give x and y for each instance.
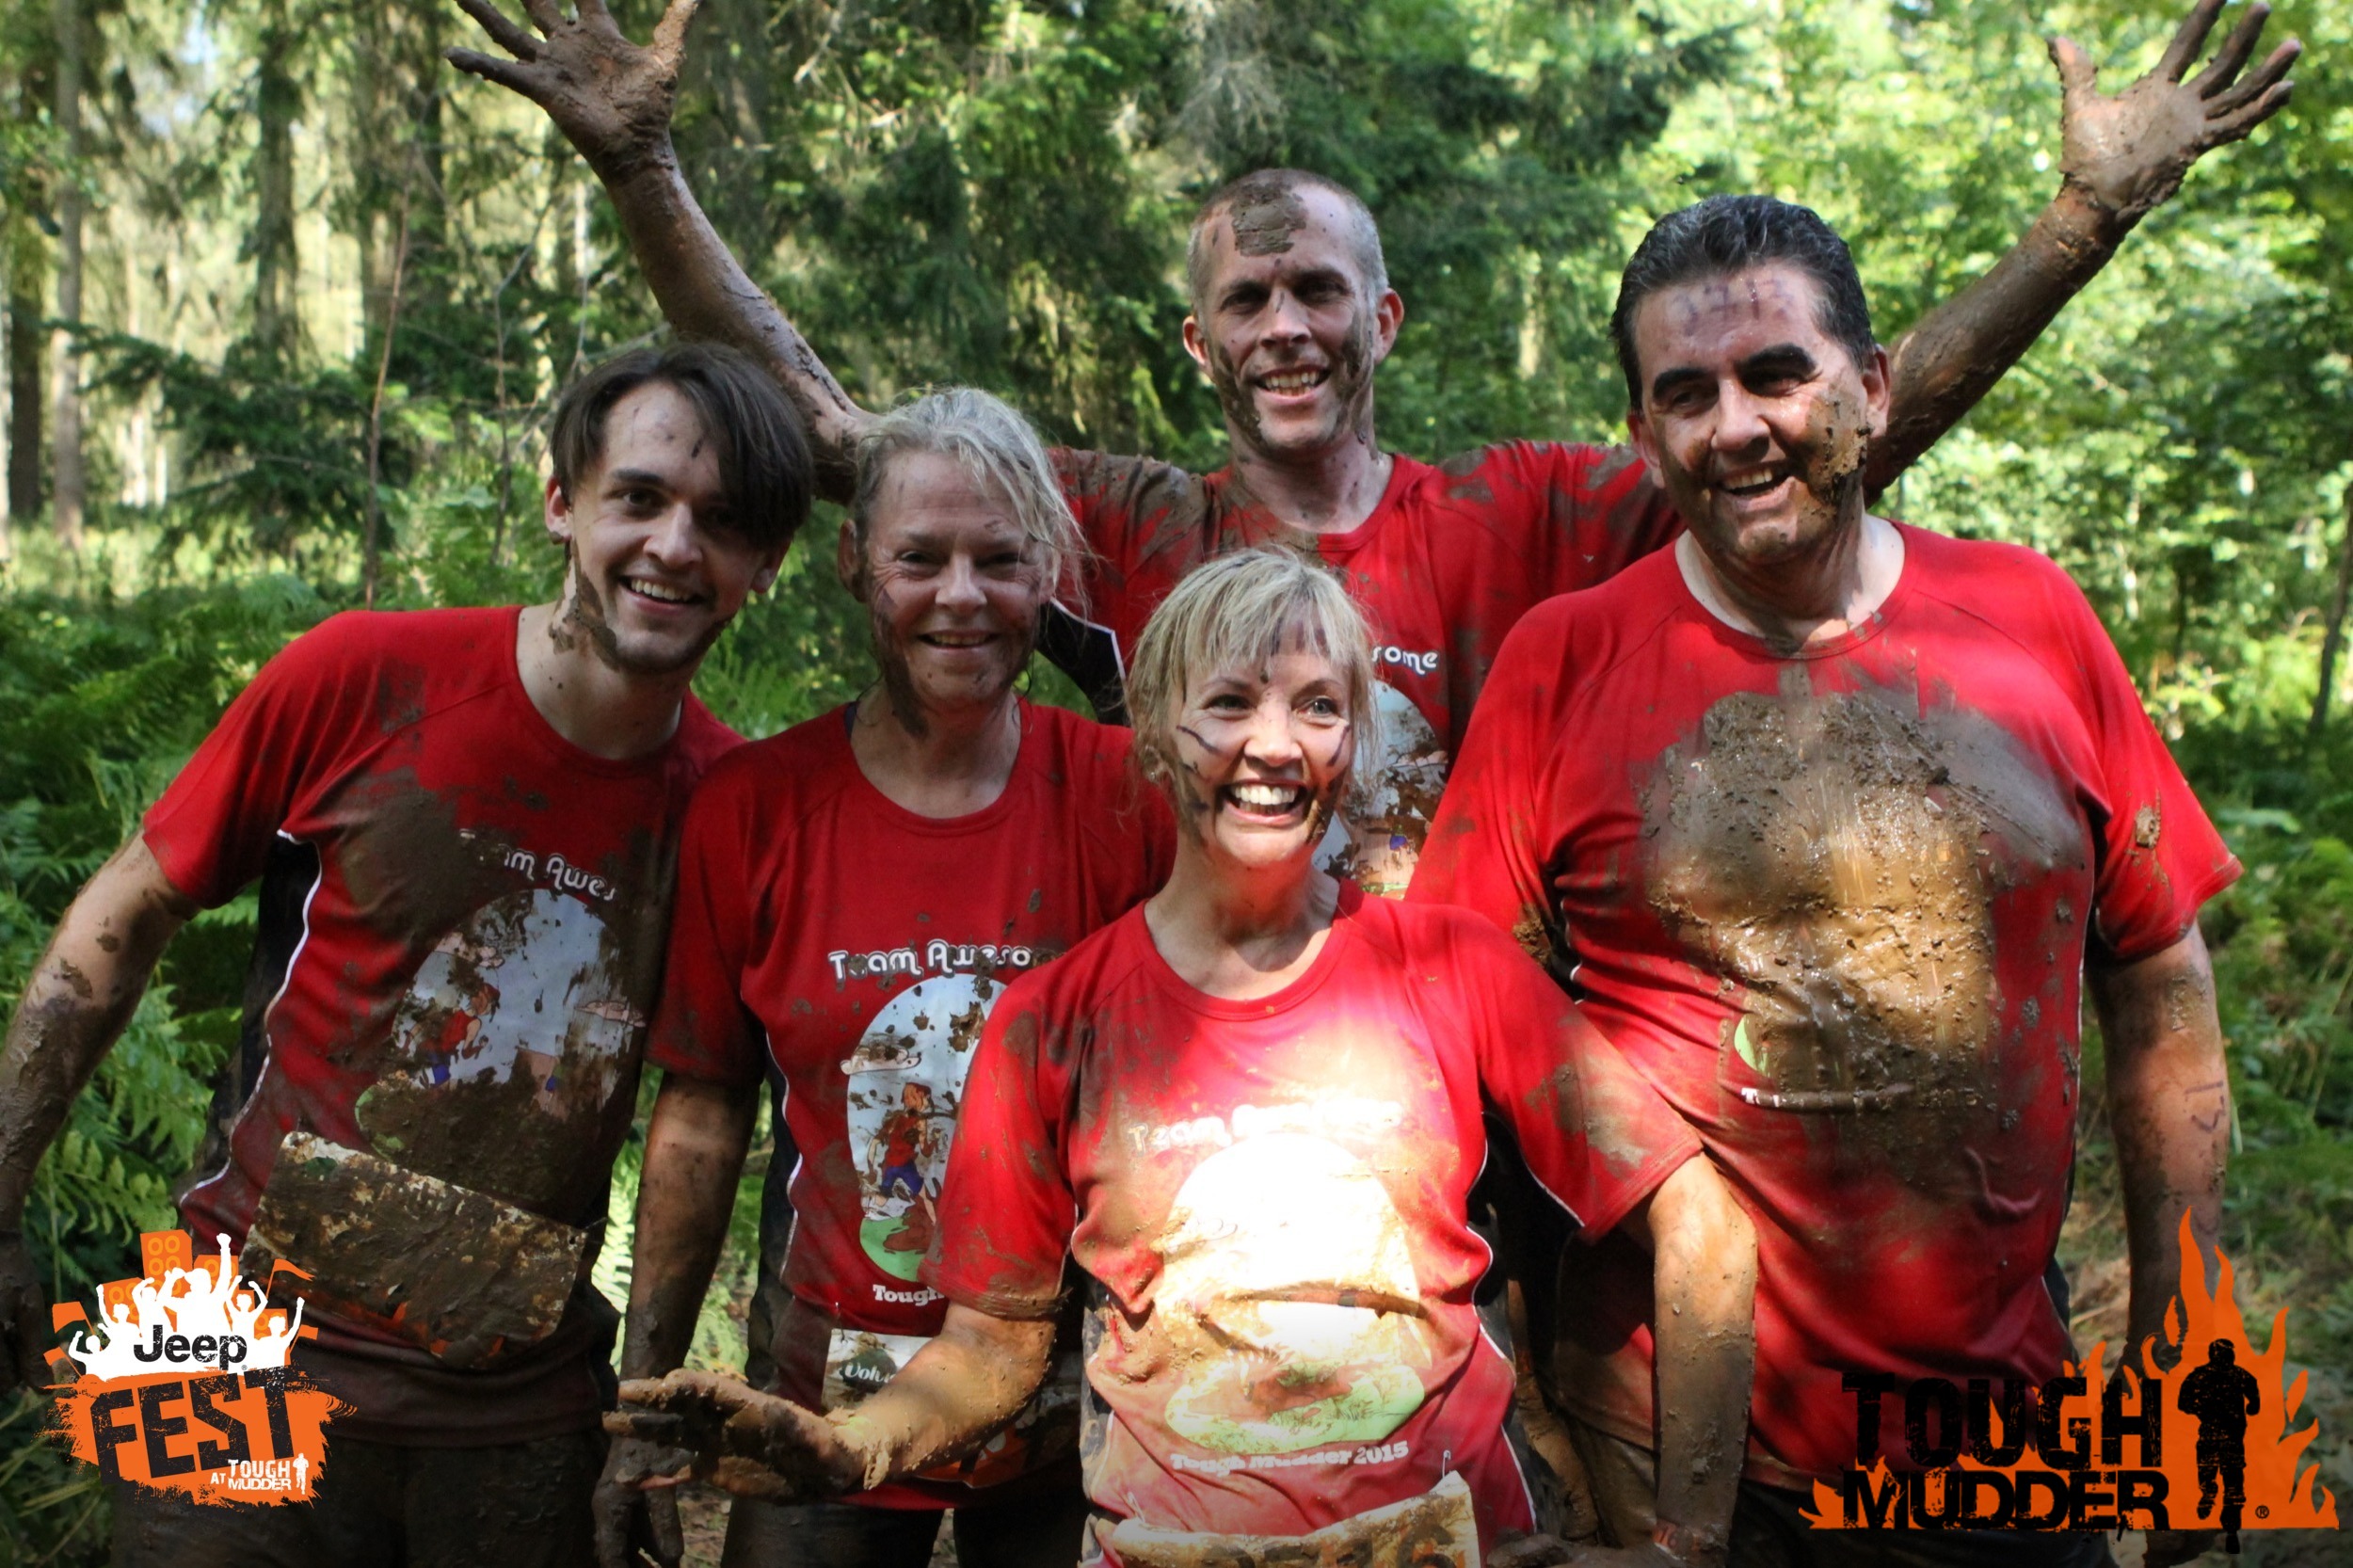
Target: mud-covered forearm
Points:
(1703, 1275)
(1953, 355)
(694, 1147)
(970, 1380)
(75, 1004)
(705, 292)
(2169, 1102)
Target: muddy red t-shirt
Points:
(461, 925)
(1267, 1198)
(1835, 906)
(859, 946)
(1448, 561)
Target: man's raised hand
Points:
(2131, 150)
(722, 1430)
(611, 98)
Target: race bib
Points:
(1433, 1530)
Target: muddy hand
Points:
(747, 1442)
(609, 97)
(2131, 150)
(25, 1335)
(634, 1525)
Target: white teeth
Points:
(1749, 483)
(1291, 382)
(1274, 795)
(657, 590)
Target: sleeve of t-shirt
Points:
(1488, 849)
(1601, 512)
(2160, 857)
(1006, 1208)
(1591, 1129)
(701, 1028)
(211, 830)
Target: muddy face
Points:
(1838, 859)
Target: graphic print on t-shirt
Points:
(906, 1080)
(526, 993)
(1376, 838)
(1289, 1292)
(1840, 857)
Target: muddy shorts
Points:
(516, 1505)
(1038, 1530)
(1769, 1531)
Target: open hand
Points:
(723, 1430)
(609, 97)
(2130, 151)
(635, 1523)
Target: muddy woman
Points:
(1826, 821)
(854, 896)
(1244, 1121)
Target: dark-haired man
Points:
(464, 826)
(1292, 313)
(1824, 819)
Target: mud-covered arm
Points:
(694, 1147)
(2169, 1106)
(1704, 1277)
(75, 1004)
(613, 100)
(2121, 156)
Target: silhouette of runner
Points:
(2222, 1395)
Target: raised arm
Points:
(967, 1380)
(613, 100)
(80, 995)
(2121, 156)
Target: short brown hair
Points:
(764, 467)
(1273, 185)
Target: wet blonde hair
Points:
(998, 452)
(1236, 612)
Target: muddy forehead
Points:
(1264, 222)
(1740, 296)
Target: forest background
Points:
(287, 300)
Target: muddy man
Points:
(464, 824)
(1825, 819)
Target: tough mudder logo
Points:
(184, 1383)
(2203, 1446)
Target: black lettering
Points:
(211, 1455)
(2090, 1505)
(2148, 1424)
(272, 1381)
(1866, 1387)
(1916, 1487)
(156, 1353)
(2140, 1492)
(1982, 1447)
(204, 1346)
(2023, 1515)
(106, 1436)
(1923, 1393)
(1971, 1482)
(2074, 1453)
(1873, 1507)
(231, 1350)
(176, 1347)
(160, 1429)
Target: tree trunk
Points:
(2334, 642)
(67, 492)
(278, 99)
(28, 353)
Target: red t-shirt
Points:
(1268, 1196)
(1836, 907)
(1446, 563)
(462, 917)
(859, 946)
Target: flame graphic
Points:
(2280, 1492)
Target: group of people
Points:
(1179, 1135)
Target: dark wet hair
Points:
(764, 467)
(1725, 234)
(1272, 185)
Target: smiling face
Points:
(657, 571)
(1753, 419)
(1287, 328)
(1262, 758)
(952, 587)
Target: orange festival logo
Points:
(2205, 1445)
(184, 1383)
